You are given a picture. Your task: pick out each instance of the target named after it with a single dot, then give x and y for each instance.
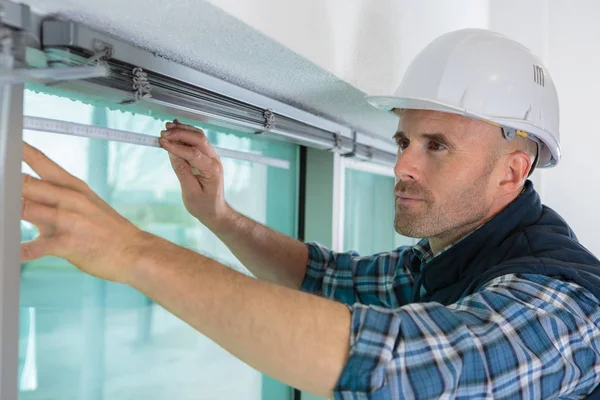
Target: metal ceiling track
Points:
(77, 58)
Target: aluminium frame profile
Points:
(11, 105)
(66, 34)
(341, 164)
(291, 123)
(11, 111)
(366, 166)
(15, 29)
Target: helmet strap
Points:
(510, 133)
(536, 160)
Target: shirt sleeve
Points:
(350, 278)
(520, 336)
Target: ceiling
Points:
(202, 36)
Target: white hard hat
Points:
(483, 75)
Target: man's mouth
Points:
(408, 199)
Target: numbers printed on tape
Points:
(88, 131)
(95, 132)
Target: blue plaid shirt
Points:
(519, 336)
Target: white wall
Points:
(367, 43)
(573, 188)
(565, 35)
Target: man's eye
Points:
(403, 144)
(436, 146)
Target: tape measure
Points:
(88, 131)
(96, 132)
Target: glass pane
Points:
(84, 338)
(369, 214)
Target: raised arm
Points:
(268, 254)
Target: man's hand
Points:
(202, 190)
(268, 254)
(74, 223)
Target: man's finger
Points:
(177, 124)
(38, 214)
(49, 220)
(203, 163)
(48, 170)
(36, 248)
(51, 195)
(184, 173)
(38, 190)
(191, 138)
(43, 217)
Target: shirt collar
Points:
(423, 250)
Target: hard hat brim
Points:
(549, 155)
(390, 103)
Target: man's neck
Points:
(439, 243)
(446, 239)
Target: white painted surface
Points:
(565, 35)
(573, 187)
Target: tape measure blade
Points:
(88, 131)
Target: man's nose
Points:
(407, 166)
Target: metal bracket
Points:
(141, 86)
(102, 53)
(15, 15)
(370, 152)
(6, 43)
(269, 120)
(53, 76)
(351, 153)
(337, 145)
(9, 53)
(11, 46)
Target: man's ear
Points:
(516, 167)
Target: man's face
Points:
(443, 171)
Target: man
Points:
(499, 300)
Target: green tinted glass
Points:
(369, 214)
(84, 338)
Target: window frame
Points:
(345, 163)
(12, 136)
(11, 106)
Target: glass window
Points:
(84, 338)
(369, 213)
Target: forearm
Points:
(268, 254)
(300, 339)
